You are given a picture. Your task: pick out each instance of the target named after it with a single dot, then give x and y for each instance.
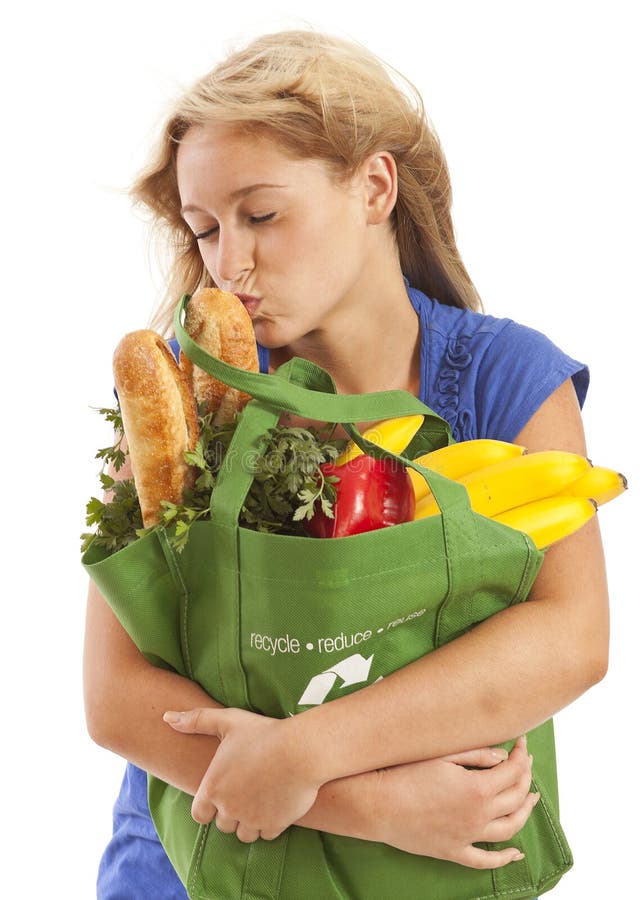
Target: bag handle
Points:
(301, 387)
(306, 390)
(237, 473)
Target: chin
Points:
(267, 334)
(271, 336)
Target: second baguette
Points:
(218, 322)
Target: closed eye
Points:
(206, 234)
(257, 220)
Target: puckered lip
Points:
(250, 302)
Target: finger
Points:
(505, 828)
(477, 858)
(512, 798)
(247, 835)
(225, 823)
(269, 834)
(507, 774)
(519, 749)
(203, 810)
(481, 758)
(196, 721)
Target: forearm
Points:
(459, 701)
(346, 806)
(125, 698)
(124, 714)
(497, 681)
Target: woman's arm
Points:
(436, 808)
(124, 702)
(506, 675)
(125, 697)
(502, 678)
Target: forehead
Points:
(229, 151)
(223, 159)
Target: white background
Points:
(537, 105)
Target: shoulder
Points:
(520, 370)
(487, 376)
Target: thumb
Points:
(480, 758)
(196, 721)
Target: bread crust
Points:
(219, 322)
(159, 419)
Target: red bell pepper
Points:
(371, 493)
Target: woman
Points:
(300, 176)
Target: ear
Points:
(379, 179)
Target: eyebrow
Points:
(235, 195)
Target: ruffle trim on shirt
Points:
(444, 395)
(447, 400)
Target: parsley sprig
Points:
(288, 484)
(289, 480)
(207, 458)
(117, 519)
(114, 454)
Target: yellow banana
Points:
(599, 483)
(514, 482)
(391, 434)
(549, 520)
(462, 458)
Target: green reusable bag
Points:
(277, 624)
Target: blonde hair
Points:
(320, 97)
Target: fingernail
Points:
(535, 798)
(531, 760)
(172, 717)
(517, 857)
(499, 753)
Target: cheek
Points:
(208, 254)
(327, 244)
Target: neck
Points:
(367, 346)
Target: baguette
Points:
(159, 419)
(219, 322)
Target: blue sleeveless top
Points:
(486, 377)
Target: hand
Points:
(259, 780)
(439, 808)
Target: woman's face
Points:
(278, 231)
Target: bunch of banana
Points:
(548, 494)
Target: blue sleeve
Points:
(521, 367)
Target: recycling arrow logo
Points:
(352, 670)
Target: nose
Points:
(234, 257)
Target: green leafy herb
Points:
(206, 458)
(115, 454)
(288, 482)
(118, 518)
